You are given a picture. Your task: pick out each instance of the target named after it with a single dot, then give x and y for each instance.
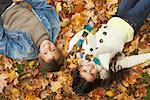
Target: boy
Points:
(28, 31)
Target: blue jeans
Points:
(134, 11)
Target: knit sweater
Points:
(107, 41)
(17, 18)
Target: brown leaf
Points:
(3, 82)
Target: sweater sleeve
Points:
(131, 61)
(74, 40)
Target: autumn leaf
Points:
(31, 64)
(12, 75)
(31, 97)
(7, 63)
(58, 7)
(33, 83)
(123, 96)
(122, 88)
(89, 4)
(55, 86)
(20, 68)
(109, 93)
(15, 93)
(3, 82)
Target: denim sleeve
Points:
(17, 45)
(38, 4)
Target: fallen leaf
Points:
(15, 93)
(55, 86)
(31, 97)
(122, 88)
(12, 75)
(89, 4)
(110, 93)
(31, 64)
(3, 82)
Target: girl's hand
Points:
(14, 1)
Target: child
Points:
(98, 50)
(28, 30)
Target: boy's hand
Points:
(14, 1)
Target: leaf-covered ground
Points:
(22, 80)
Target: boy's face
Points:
(89, 71)
(48, 51)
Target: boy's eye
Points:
(54, 50)
(45, 53)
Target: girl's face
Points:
(89, 71)
(48, 51)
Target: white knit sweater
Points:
(108, 41)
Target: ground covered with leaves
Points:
(22, 80)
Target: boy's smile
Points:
(49, 51)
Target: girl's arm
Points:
(78, 38)
(130, 61)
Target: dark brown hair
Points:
(53, 65)
(81, 86)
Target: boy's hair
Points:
(53, 65)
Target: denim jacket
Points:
(18, 44)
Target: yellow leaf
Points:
(124, 96)
(89, 4)
(31, 97)
(111, 2)
(125, 83)
(109, 93)
(55, 86)
(31, 63)
(29, 87)
(12, 75)
(15, 93)
(121, 88)
(58, 7)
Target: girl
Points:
(98, 50)
(28, 30)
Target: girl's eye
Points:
(92, 74)
(54, 50)
(84, 70)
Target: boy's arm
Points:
(38, 4)
(17, 45)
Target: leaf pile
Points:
(22, 80)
